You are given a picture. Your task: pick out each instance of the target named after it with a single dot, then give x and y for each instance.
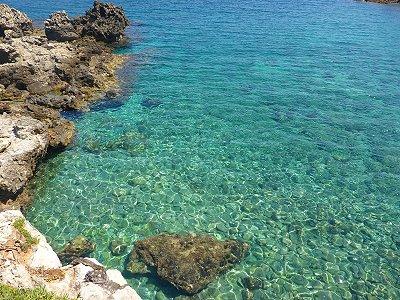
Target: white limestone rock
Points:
(24, 140)
(40, 266)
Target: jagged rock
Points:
(60, 132)
(39, 77)
(80, 246)
(7, 54)
(105, 22)
(59, 27)
(188, 262)
(85, 278)
(13, 23)
(27, 141)
(52, 101)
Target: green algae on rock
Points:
(19, 224)
(80, 246)
(188, 262)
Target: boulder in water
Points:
(80, 246)
(188, 262)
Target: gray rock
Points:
(7, 54)
(59, 27)
(13, 23)
(105, 22)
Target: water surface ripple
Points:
(279, 125)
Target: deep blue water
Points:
(279, 125)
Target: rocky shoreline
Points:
(65, 66)
(28, 261)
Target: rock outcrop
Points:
(41, 75)
(59, 27)
(53, 74)
(23, 140)
(104, 21)
(188, 262)
(39, 266)
(13, 23)
(26, 134)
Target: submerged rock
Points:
(188, 262)
(80, 246)
(117, 247)
(150, 103)
(13, 23)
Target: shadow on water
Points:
(165, 287)
(168, 289)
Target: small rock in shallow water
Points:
(150, 103)
(80, 246)
(117, 247)
(252, 283)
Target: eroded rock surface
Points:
(41, 75)
(59, 27)
(23, 140)
(39, 266)
(104, 21)
(188, 262)
(13, 23)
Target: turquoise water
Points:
(279, 125)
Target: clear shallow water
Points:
(279, 126)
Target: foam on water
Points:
(279, 125)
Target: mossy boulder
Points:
(188, 262)
(80, 246)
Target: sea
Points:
(274, 122)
